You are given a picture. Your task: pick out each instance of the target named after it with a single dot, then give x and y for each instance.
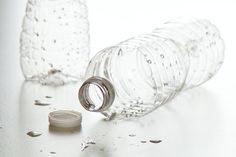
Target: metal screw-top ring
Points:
(105, 87)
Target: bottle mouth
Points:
(105, 87)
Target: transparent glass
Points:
(140, 74)
(55, 41)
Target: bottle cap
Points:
(65, 119)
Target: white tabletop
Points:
(197, 123)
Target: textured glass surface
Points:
(54, 41)
(148, 70)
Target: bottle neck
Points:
(105, 87)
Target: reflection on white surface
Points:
(197, 123)
(188, 125)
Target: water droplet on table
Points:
(87, 143)
(149, 61)
(34, 134)
(155, 141)
(52, 152)
(132, 135)
(40, 103)
(162, 56)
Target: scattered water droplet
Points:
(43, 48)
(162, 56)
(120, 52)
(53, 71)
(132, 135)
(149, 61)
(193, 48)
(39, 103)
(91, 142)
(155, 141)
(84, 147)
(165, 84)
(34, 134)
(87, 143)
(43, 59)
(212, 43)
(36, 34)
(36, 19)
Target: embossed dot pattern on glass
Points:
(54, 41)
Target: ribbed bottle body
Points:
(202, 43)
(148, 70)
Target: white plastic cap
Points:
(65, 119)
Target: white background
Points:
(198, 123)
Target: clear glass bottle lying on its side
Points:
(136, 76)
(55, 41)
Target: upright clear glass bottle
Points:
(136, 76)
(55, 41)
